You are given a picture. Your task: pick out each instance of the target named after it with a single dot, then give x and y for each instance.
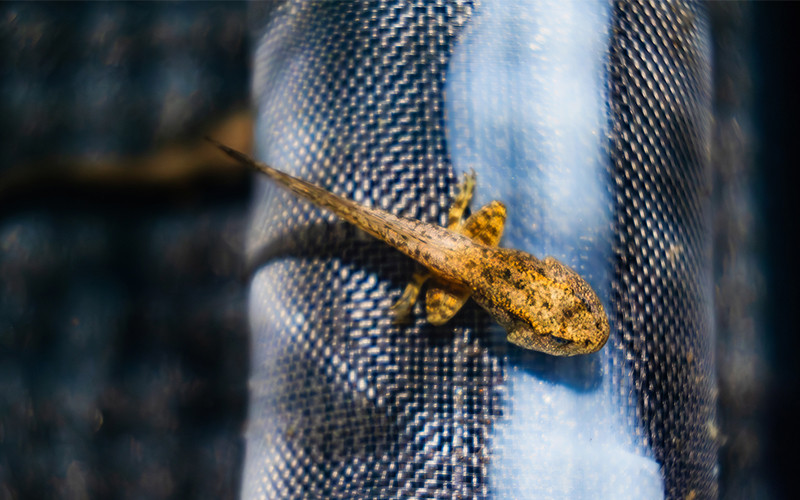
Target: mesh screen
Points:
(661, 92)
(345, 404)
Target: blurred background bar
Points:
(123, 340)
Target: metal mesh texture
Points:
(661, 93)
(345, 404)
(370, 405)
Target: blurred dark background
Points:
(123, 337)
(777, 136)
(123, 330)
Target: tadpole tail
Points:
(412, 237)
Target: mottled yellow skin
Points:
(543, 305)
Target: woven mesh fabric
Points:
(345, 404)
(661, 92)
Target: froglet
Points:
(542, 304)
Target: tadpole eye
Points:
(560, 340)
(570, 312)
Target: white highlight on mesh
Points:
(526, 108)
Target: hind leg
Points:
(402, 308)
(455, 217)
(443, 301)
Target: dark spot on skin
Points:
(416, 252)
(546, 304)
(506, 274)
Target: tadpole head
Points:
(547, 307)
